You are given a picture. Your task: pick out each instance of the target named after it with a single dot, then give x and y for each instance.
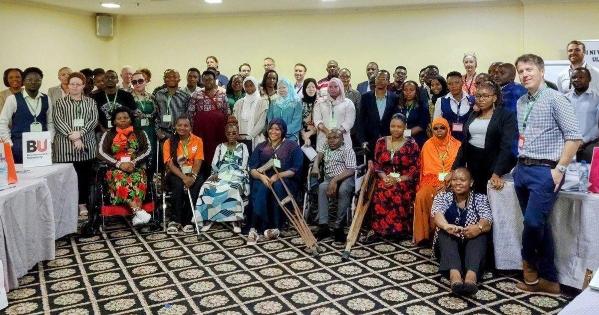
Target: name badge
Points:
(78, 122)
(442, 176)
(35, 127)
(125, 159)
(407, 133)
(186, 169)
(143, 122)
(109, 124)
(167, 118)
(521, 142)
(394, 175)
(276, 163)
(457, 127)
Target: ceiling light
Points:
(110, 5)
(213, 1)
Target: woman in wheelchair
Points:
(221, 196)
(287, 157)
(183, 165)
(125, 150)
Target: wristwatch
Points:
(561, 168)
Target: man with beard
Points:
(576, 50)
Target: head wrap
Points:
(341, 96)
(438, 155)
(250, 101)
(288, 100)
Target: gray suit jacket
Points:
(55, 93)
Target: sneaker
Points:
(206, 226)
(236, 228)
(271, 234)
(252, 237)
(141, 217)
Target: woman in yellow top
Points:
(183, 165)
(436, 159)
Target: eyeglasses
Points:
(75, 84)
(136, 82)
(439, 128)
(484, 96)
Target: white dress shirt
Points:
(563, 80)
(464, 105)
(586, 106)
(10, 107)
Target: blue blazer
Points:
(362, 87)
(370, 124)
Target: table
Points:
(39, 209)
(586, 303)
(575, 225)
(62, 182)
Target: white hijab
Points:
(250, 100)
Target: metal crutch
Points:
(193, 212)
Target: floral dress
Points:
(393, 206)
(126, 187)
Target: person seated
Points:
(463, 218)
(339, 166)
(221, 196)
(436, 158)
(183, 165)
(287, 157)
(126, 151)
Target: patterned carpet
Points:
(136, 272)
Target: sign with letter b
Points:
(37, 149)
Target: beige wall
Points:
(412, 37)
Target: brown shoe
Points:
(531, 276)
(544, 286)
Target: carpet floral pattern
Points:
(129, 271)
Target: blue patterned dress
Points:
(222, 200)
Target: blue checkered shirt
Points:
(551, 122)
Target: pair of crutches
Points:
(364, 199)
(295, 215)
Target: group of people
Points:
(436, 145)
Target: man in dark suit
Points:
(374, 106)
(371, 69)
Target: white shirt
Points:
(10, 107)
(586, 106)
(328, 111)
(563, 80)
(478, 132)
(464, 105)
(188, 91)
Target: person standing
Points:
(221, 79)
(549, 139)
(126, 75)
(111, 98)
(334, 111)
(576, 51)
(456, 106)
(13, 80)
(172, 103)
(332, 72)
(193, 78)
(61, 90)
(586, 105)
(299, 72)
(470, 64)
(371, 69)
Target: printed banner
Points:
(37, 149)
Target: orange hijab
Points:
(437, 154)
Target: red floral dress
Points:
(126, 187)
(394, 205)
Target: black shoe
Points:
(339, 236)
(469, 288)
(457, 288)
(323, 232)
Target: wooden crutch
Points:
(366, 191)
(295, 216)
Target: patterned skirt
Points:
(126, 187)
(221, 201)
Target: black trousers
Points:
(85, 176)
(181, 209)
(462, 254)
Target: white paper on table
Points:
(309, 152)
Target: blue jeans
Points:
(535, 190)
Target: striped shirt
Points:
(66, 111)
(339, 160)
(176, 107)
(546, 120)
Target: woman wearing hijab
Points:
(436, 159)
(287, 156)
(251, 114)
(287, 107)
(308, 131)
(334, 111)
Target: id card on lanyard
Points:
(168, 118)
(186, 169)
(333, 122)
(458, 126)
(35, 126)
(111, 106)
(529, 106)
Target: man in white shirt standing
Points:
(62, 89)
(586, 105)
(26, 111)
(299, 71)
(576, 51)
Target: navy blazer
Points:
(362, 87)
(370, 124)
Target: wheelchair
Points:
(100, 207)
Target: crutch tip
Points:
(345, 255)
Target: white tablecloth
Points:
(586, 303)
(27, 228)
(62, 182)
(575, 225)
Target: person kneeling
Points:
(339, 167)
(464, 219)
(125, 151)
(221, 196)
(183, 164)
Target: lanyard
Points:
(409, 110)
(332, 113)
(78, 104)
(111, 105)
(169, 98)
(529, 106)
(458, 111)
(443, 155)
(469, 86)
(184, 144)
(274, 150)
(33, 110)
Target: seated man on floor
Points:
(339, 167)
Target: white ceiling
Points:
(198, 7)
